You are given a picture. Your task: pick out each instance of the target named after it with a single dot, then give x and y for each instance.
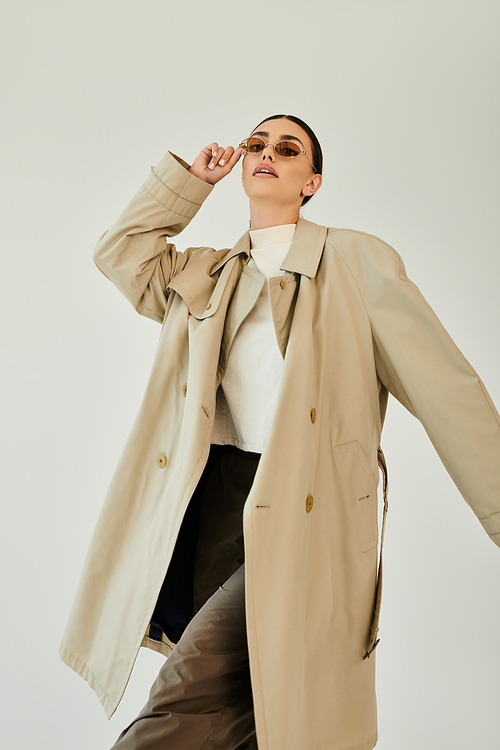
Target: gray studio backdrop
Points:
(404, 97)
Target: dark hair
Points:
(317, 153)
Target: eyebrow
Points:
(283, 137)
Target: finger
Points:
(235, 157)
(228, 152)
(215, 157)
(210, 150)
(212, 153)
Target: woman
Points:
(241, 524)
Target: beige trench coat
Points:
(360, 329)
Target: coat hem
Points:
(77, 664)
(368, 745)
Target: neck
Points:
(272, 216)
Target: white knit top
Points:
(246, 399)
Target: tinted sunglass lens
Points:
(254, 145)
(287, 148)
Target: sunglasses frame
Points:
(244, 144)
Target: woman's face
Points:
(290, 179)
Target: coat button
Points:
(282, 283)
(313, 415)
(184, 389)
(309, 503)
(161, 460)
(208, 306)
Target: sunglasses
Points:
(287, 149)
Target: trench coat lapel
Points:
(200, 290)
(245, 296)
(303, 256)
(306, 249)
(202, 284)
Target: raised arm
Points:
(134, 252)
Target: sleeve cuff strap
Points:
(175, 187)
(491, 525)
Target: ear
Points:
(313, 185)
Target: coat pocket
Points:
(360, 491)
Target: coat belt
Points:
(373, 641)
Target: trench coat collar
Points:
(303, 256)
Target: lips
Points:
(265, 170)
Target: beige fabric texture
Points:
(360, 329)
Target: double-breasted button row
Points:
(309, 503)
(161, 460)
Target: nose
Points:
(269, 152)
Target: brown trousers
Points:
(202, 697)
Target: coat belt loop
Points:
(373, 640)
